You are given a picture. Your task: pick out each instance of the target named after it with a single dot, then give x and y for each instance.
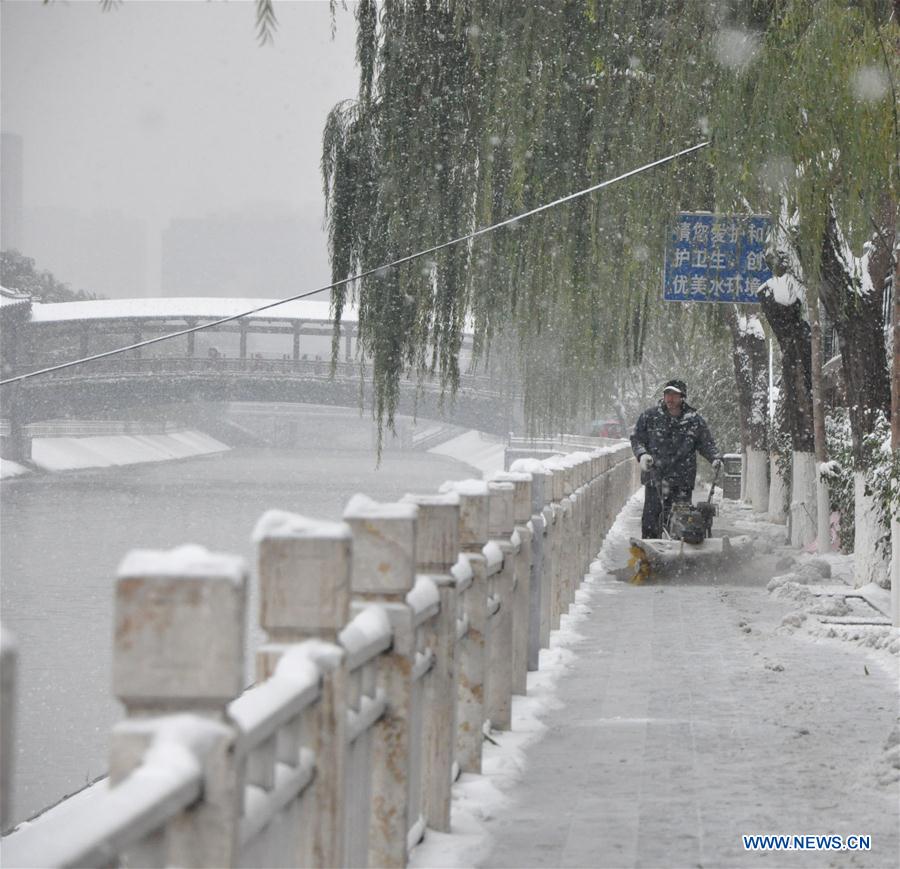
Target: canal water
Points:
(64, 534)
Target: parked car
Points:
(607, 428)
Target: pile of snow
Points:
(825, 604)
(481, 451)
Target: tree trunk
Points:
(823, 499)
(859, 322)
(857, 316)
(895, 440)
(751, 376)
(793, 335)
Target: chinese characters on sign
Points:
(716, 258)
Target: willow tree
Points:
(819, 104)
(470, 112)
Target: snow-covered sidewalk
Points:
(668, 720)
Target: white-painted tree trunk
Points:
(803, 499)
(869, 563)
(777, 490)
(743, 475)
(895, 571)
(757, 490)
(823, 515)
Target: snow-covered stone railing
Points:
(545, 447)
(394, 639)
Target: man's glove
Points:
(646, 461)
(717, 464)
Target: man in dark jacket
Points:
(665, 441)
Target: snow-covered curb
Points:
(72, 453)
(478, 798)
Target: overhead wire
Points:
(381, 268)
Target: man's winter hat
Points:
(678, 386)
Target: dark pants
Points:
(656, 516)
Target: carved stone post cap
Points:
(428, 499)
(502, 512)
(437, 538)
(304, 575)
(179, 627)
(363, 507)
(281, 524)
(522, 492)
(569, 476)
(556, 467)
(541, 481)
(582, 462)
(384, 545)
(473, 511)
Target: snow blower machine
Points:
(687, 543)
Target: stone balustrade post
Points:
(570, 503)
(577, 498)
(595, 504)
(384, 571)
(304, 595)
(584, 525)
(7, 722)
(179, 648)
(556, 532)
(522, 594)
(604, 499)
(548, 515)
(501, 521)
(470, 709)
(437, 551)
(603, 463)
(537, 623)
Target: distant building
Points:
(15, 311)
(242, 255)
(11, 184)
(104, 252)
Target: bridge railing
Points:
(123, 365)
(89, 427)
(394, 638)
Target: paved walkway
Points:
(689, 719)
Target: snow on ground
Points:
(482, 451)
(480, 801)
(826, 606)
(10, 469)
(71, 453)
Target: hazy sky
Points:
(167, 108)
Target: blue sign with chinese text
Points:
(716, 258)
